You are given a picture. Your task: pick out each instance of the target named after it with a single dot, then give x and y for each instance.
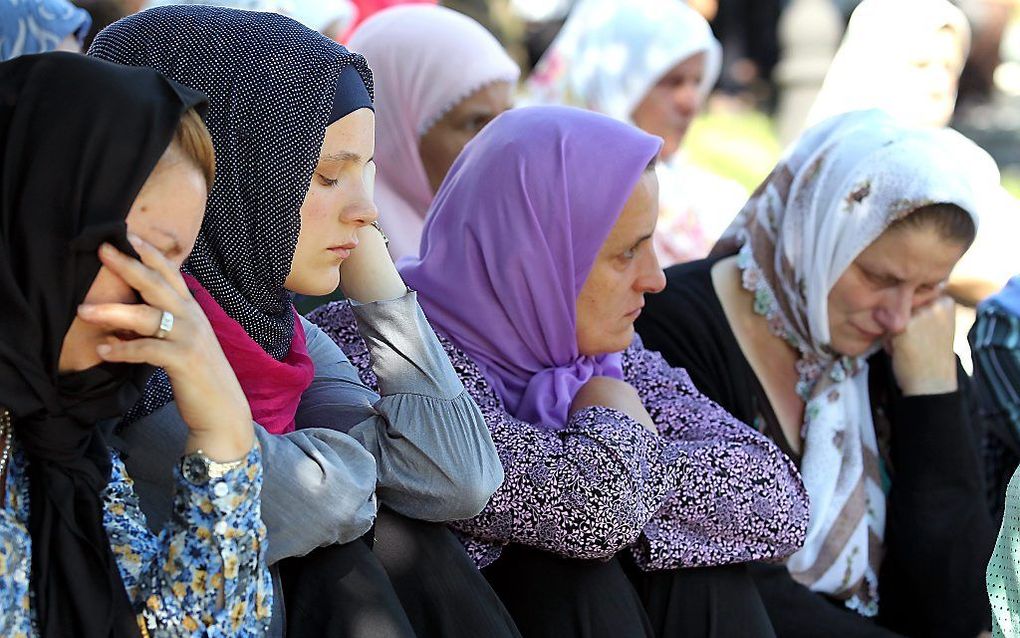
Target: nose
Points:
(895, 312)
(651, 279)
(687, 98)
(360, 210)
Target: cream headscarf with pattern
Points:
(841, 185)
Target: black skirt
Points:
(406, 579)
(554, 597)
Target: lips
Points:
(869, 335)
(343, 251)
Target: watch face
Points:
(195, 469)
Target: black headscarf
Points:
(78, 139)
(272, 85)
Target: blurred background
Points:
(776, 54)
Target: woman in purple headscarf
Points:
(630, 499)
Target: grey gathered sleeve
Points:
(318, 490)
(435, 458)
(317, 486)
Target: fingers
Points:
(154, 352)
(153, 286)
(140, 319)
(153, 258)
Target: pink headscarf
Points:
(425, 60)
(365, 9)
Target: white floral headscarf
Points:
(874, 66)
(841, 185)
(610, 53)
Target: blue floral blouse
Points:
(204, 575)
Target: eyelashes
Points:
(327, 181)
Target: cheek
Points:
(848, 299)
(109, 288)
(315, 215)
(445, 149)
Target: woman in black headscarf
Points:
(291, 117)
(100, 163)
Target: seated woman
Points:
(995, 344)
(824, 324)
(440, 77)
(1003, 573)
(101, 161)
(290, 213)
(651, 63)
(534, 263)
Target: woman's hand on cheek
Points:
(922, 356)
(206, 391)
(369, 274)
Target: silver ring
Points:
(166, 324)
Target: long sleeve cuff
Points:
(230, 497)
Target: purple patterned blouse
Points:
(708, 490)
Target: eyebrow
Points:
(640, 241)
(343, 156)
(175, 246)
(643, 239)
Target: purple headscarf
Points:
(510, 239)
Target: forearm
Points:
(434, 456)
(936, 499)
(318, 490)
(739, 498)
(582, 492)
(225, 444)
(435, 459)
(207, 562)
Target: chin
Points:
(620, 342)
(319, 286)
(852, 347)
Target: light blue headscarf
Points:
(37, 26)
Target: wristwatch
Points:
(199, 469)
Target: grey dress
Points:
(421, 445)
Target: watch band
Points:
(199, 468)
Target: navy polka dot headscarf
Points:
(273, 87)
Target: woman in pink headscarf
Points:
(440, 77)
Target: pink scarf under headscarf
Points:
(273, 388)
(426, 60)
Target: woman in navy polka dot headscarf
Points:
(291, 211)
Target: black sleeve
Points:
(939, 533)
(687, 326)
(798, 612)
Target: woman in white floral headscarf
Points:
(650, 63)
(822, 320)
